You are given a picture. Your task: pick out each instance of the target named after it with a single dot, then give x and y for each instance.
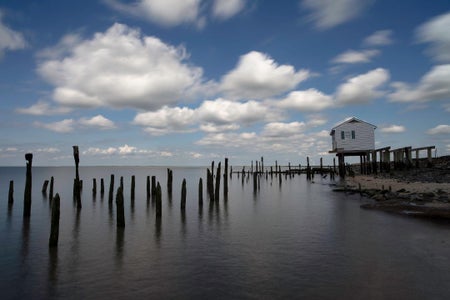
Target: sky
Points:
(186, 82)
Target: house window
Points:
(353, 134)
(342, 135)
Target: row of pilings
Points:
(153, 187)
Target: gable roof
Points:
(350, 120)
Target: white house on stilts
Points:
(353, 137)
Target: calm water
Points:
(300, 240)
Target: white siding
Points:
(364, 136)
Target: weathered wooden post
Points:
(210, 184)
(77, 185)
(50, 196)
(154, 187)
(308, 169)
(111, 188)
(11, 193)
(255, 182)
(28, 184)
(200, 192)
(276, 167)
(54, 228)
(183, 195)
(119, 208)
(102, 187)
(94, 186)
(321, 166)
(133, 185)
(217, 194)
(280, 178)
(148, 187)
(44, 187)
(158, 201)
(169, 181)
(121, 182)
(225, 178)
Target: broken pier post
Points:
(54, 229)
(28, 183)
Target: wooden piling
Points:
(77, 185)
(158, 196)
(111, 189)
(121, 182)
(133, 185)
(217, 187)
(120, 212)
(154, 187)
(169, 181)
(102, 186)
(183, 195)
(11, 192)
(308, 169)
(148, 187)
(50, 196)
(225, 178)
(280, 178)
(28, 184)
(255, 182)
(94, 186)
(200, 192)
(210, 184)
(44, 187)
(54, 228)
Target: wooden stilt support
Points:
(102, 187)
(148, 187)
(111, 188)
(28, 183)
(120, 212)
(169, 181)
(183, 195)
(11, 192)
(77, 185)
(50, 196)
(225, 179)
(200, 192)
(94, 186)
(217, 187)
(54, 228)
(158, 201)
(44, 187)
(133, 185)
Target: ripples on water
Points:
(297, 240)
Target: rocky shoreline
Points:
(423, 192)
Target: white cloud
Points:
(212, 128)
(308, 100)
(434, 85)
(379, 38)
(166, 120)
(98, 121)
(436, 33)
(355, 57)
(224, 9)
(121, 68)
(221, 111)
(330, 13)
(258, 76)
(362, 88)
(278, 129)
(316, 120)
(10, 39)
(64, 126)
(393, 129)
(440, 129)
(163, 12)
(42, 108)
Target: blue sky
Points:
(185, 82)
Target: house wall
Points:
(364, 136)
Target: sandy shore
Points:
(379, 183)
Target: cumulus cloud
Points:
(9, 38)
(355, 57)
(310, 100)
(224, 9)
(166, 120)
(440, 129)
(362, 88)
(222, 111)
(436, 33)
(97, 121)
(379, 38)
(434, 85)
(258, 76)
(64, 126)
(393, 129)
(279, 129)
(326, 14)
(121, 68)
(163, 12)
(68, 125)
(42, 108)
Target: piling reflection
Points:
(25, 238)
(53, 266)
(120, 234)
(158, 230)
